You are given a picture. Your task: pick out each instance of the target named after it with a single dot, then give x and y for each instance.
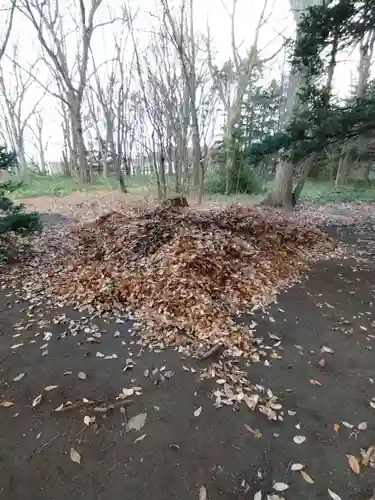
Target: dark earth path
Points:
(180, 452)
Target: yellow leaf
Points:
(354, 464)
(306, 477)
(336, 428)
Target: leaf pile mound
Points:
(184, 274)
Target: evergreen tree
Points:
(338, 25)
(13, 218)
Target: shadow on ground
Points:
(180, 452)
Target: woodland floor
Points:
(179, 452)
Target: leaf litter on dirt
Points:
(183, 275)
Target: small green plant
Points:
(13, 219)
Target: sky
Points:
(279, 24)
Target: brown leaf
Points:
(336, 428)
(315, 382)
(354, 464)
(306, 477)
(6, 404)
(255, 432)
(368, 455)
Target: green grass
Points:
(325, 192)
(316, 192)
(42, 185)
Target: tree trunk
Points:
(303, 177)
(366, 174)
(83, 167)
(343, 170)
(281, 194)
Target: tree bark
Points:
(281, 195)
(306, 169)
(342, 176)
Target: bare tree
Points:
(48, 20)
(108, 98)
(235, 78)
(8, 30)
(15, 96)
(181, 33)
(39, 139)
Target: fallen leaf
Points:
(334, 495)
(140, 438)
(306, 477)
(37, 401)
(198, 411)
(82, 375)
(202, 493)
(6, 404)
(336, 428)
(368, 456)
(327, 349)
(19, 377)
(299, 439)
(322, 363)
(75, 456)
(127, 392)
(88, 420)
(315, 382)
(354, 464)
(347, 425)
(99, 355)
(280, 486)
(258, 495)
(256, 432)
(50, 387)
(137, 422)
(362, 426)
(296, 467)
(16, 346)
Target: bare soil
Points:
(179, 453)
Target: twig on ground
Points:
(45, 445)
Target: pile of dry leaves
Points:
(184, 274)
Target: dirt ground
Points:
(176, 453)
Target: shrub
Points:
(244, 181)
(13, 219)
